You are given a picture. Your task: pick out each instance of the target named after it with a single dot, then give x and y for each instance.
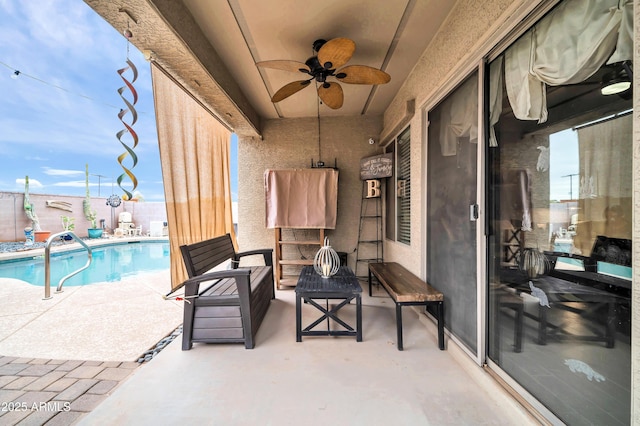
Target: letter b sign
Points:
(373, 188)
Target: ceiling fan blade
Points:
(336, 52)
(331, 94)
(293, 66)
(289, 89)
(362, 74)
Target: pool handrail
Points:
(47, 262)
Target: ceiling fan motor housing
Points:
(317, 45)
(316, 70)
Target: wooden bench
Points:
(233, 303)
(408, 290)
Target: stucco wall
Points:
(468, 24)
(14, 219)
(523, 155)
(291, 144)
(142, 214)
(471, 27)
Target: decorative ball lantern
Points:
(326, 263)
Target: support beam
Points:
(168, 29)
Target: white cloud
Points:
(60, 172)
(74, 184)
(62, 110)
(33, 183)
(69, 29)
(69, 82)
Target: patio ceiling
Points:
(211, 48)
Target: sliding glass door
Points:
(560, 203)
(452, 154)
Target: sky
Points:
(563, 163)
(61, 112)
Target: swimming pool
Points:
(109, 263)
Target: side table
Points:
(342, 286)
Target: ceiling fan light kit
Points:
(331, 55)
(618, 80)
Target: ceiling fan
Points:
(330, 56)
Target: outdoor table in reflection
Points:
(557, 293)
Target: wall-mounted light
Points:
(618, 80)
(15, 75)
(149, 55)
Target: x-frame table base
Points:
(328, 314)
(343, 286)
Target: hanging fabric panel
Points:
(194, 153)
(495, 97)
(566, 47)
(460, 112)
(605, 160)
(624, 46)
(301, 198)
(459, 117)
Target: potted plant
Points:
(89, 213)
(39, 234)
(68, 225)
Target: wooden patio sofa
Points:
(233, 302)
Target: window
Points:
(398, 195)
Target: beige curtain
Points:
(567, 46)
(459, 117)
(194, 152)
(605, 203)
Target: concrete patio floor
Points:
(62, 357)
(112, 321)
(321, 380)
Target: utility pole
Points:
(571, 183)
(99, 177)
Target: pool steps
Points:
(47, 262)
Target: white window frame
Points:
(401, 167)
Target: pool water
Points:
(109, 263)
